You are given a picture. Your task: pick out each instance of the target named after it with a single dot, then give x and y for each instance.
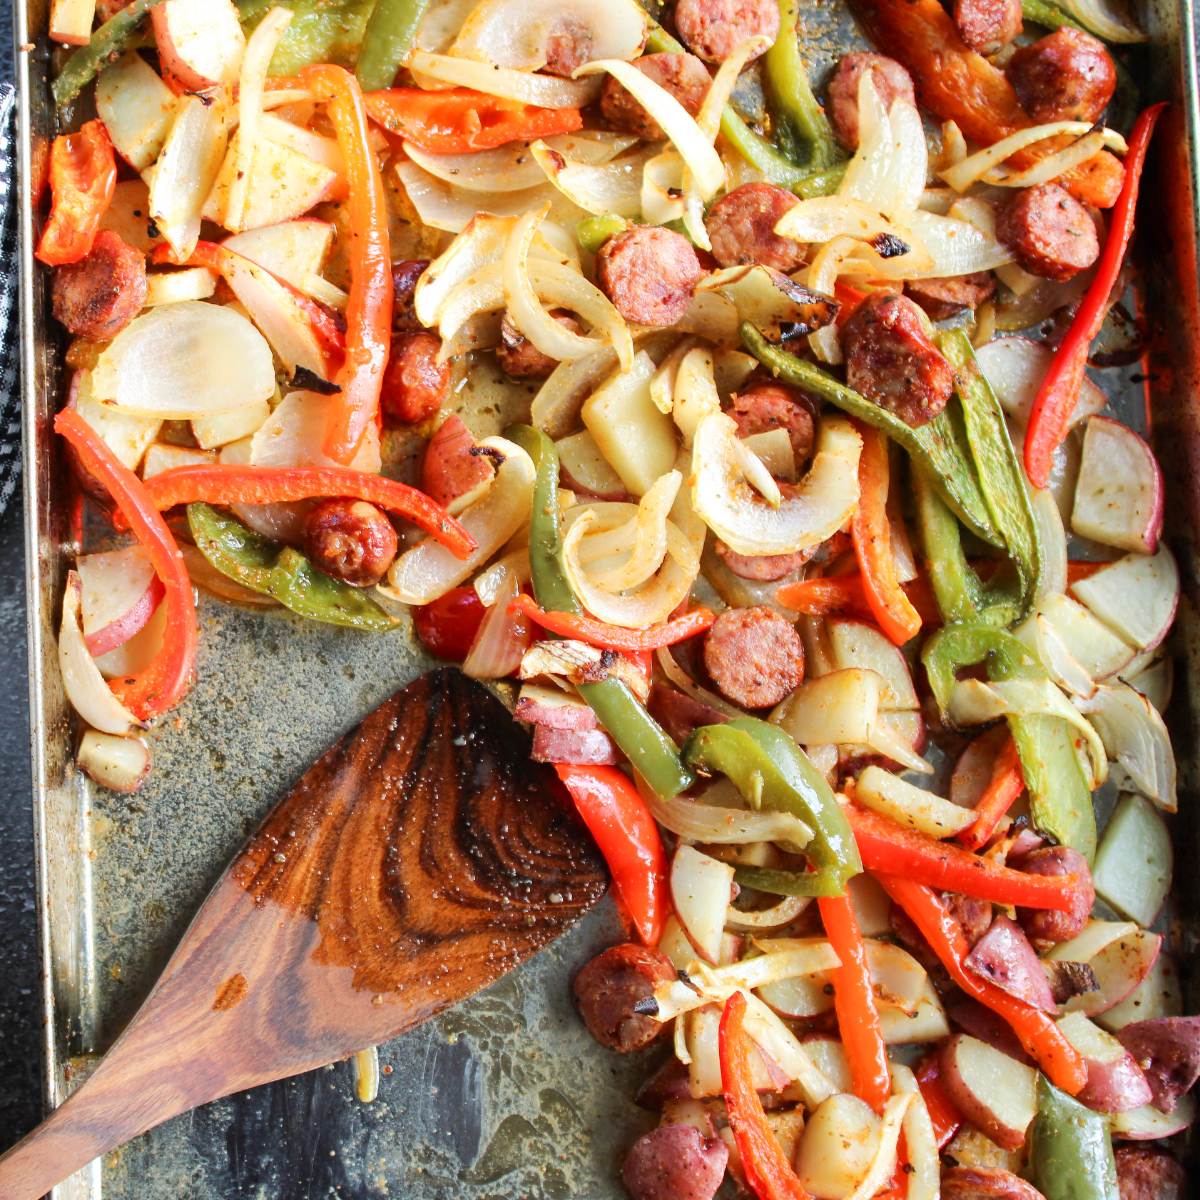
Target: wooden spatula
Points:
(416, 862)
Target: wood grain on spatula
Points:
(416, 862)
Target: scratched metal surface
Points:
(505, 1096)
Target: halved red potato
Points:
(200, 43)
(995, 1093)
(1119, 492)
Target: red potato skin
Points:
(1154, 523)
(1167, 1050)
(453, 464)
(1004, 956)
(555, 716)
(132, 621)
(1116, 1086)
(607, 988)
(675, 1162)
(179, 76)
(970, 1105)
(678, 713)
(1145, 1174)
(986, 1183)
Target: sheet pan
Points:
(504, 1096)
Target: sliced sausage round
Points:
(405, 277)
(519, 357)
(351, 540)
(741, 228)
(1066, 76)
(713, 29)
(1145, 1174)
(892, 82)
(649, 274)
(891, 359)
(98, 296)
(684, 76)
(986, 25)
(986, 1183)
(973, 914)
(768, 406)
(1049, 231)
(942, 298)
(754, 656)
(415, 384)
(568, 46)
(674, 1162)
(1044, 925)
(607, 988)
(761, 568)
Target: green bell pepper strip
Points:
(108, 43)
(387, 39)
(778, 882)
(1046, 14)
(775, 166)
(593, 232)
(321, 31)
(1071, 1154)
(282, 573)
(1001, 476)
(939, 446)
(640, 738)
(770, 770)
(798, 120)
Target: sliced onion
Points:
(684, 682)
(1053, 537)
(954, 247)
(488, 582)
(1135, 737)
(120, 764)
(1105, 19)
(502, 637)
(173, 287)
(661, 195)
(613, 186)
(428, 570)
(778, 305)
(662, 384)
(441, 23)
(823, 218)
(711, 316)
(823, 274)
(696, 150)
(544, 91)
(920, 1142)
(755, 473)
(1016, 366)
(812, 511)
(1040, 637)
(628, 555)
(782, 913)
(294, 434)
(518, 33)
(775, 1039)
(256, 62)
(442, 206)
(883, 1165)
(86, 689)
(1052, 165)
(185, 360)
(718, 826)
(981, 165)
(889, 168)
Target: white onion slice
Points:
(889, 168)
(517, 33)
(502, 638)
(662, 191)
(443, 206)
(823, 274)
(826, 217)
(920, 1142)
(883, 1165)
(185, 360)
(545, 91)
(954, 247)
(719, 826)
(120, 764)
(626, 555)
(680, 127)
(787, 910)
(613, 186)
(1052, 166)
(441, 23)
(86, 689)
(1106, 20)
(1135, 737)
(1053, 536)
(695, 393)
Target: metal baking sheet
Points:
(504, 1096)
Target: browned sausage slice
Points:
(1049, 231)
(649, 274)
(98, 296)
(683, 75)
(607, 988)
(713, 29)
(754, 656)
(350, 540)
(770, 406)
(741, 227)
(986, 25)
(942, 298)
(1145, 1174)
(415, 384)
(568, 46)
(761, 568)
(519, 357)
(405, 277)
(891, 359)
(675, 1162)
(986, 1183)
(1066, 76)
(892, 82)
(1042, 925)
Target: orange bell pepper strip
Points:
(460, 120)
(845, 595)
(1005, 785)
(83, 177)
(885, 846)
(764, 1163)
(870, 531)
(1038, 1034)
(617, 817)
(225, 483)
(957, 84)
(369, 308)
(613, 637)
(1050, 418)
(166, 679)
(854, 1003)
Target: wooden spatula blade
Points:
(413, 864)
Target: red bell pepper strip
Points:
(617, 817)
(460, 120)
(224, 483)
(854, 1003)
(894, 850)
(1005, 785)
(83, 176)
(943, 1116)
(168, 676)
(870, 531)
(369, 308)
(764, 1163)
(1038, 1034)
(613, 637)
(1051, 416)
(845, 595)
